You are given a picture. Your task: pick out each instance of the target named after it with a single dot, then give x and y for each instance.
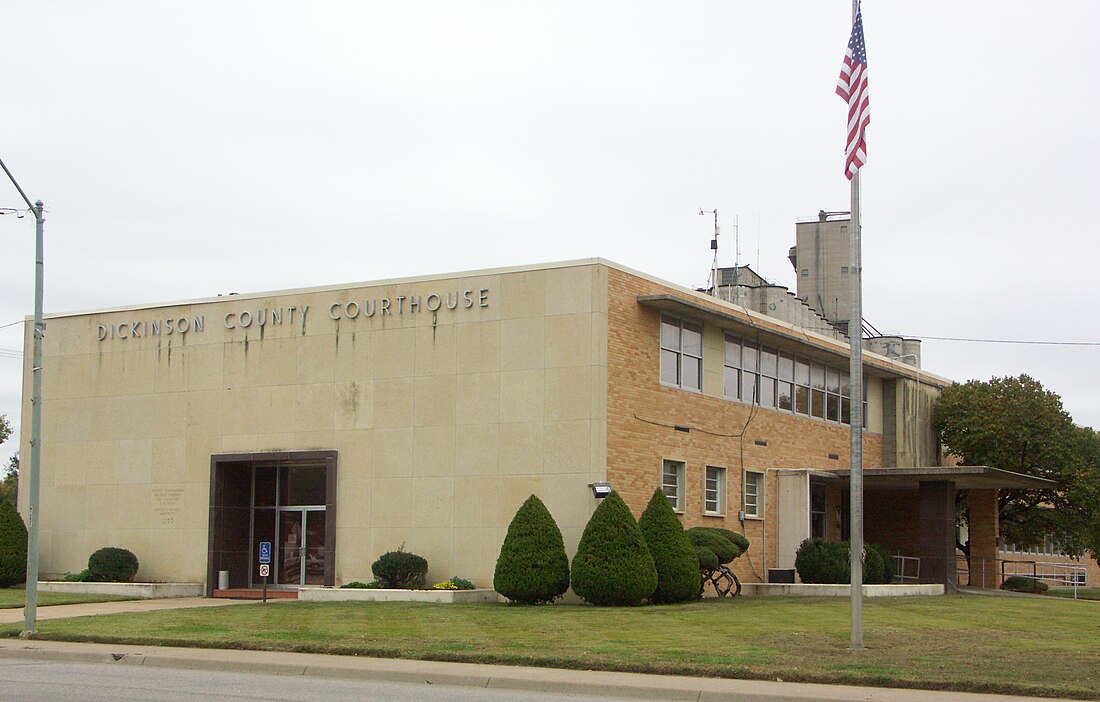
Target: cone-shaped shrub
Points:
(613, 566)
(532, 567)
(13, 546)
(672, 551)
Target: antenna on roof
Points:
(713, 247)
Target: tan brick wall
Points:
(642, 414)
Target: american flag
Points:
(852, 86)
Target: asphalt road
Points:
(50, 681)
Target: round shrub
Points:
(820, 561)
(532, 567)
(739, 540)
(872, 566)
(400, 570)
(1017, 583)
(13, 546)
(889, 565)
(707, 559)
(723, 548)
(112, 565)
(673, 553)
(613, 566)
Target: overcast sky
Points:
(193, 148)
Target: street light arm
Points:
(16, 184)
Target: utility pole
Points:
(30, 610)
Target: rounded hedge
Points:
(613, 566)
(673, 553)
(532, 567)
(739, 540)
(13, 546)
(1018, 583)
(723, 548)
(872, 566)
(400, 570)
(889, 565)
(820, 561)
(112, 565)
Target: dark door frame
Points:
(221, 461)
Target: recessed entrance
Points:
(288, 499)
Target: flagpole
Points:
(855, 336)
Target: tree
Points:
(9, 478)
(672, 551)
(13, 546)
(612, 566)
(533, 567)
(9, 483)
(1016, 424)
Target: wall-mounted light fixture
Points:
(600, 490)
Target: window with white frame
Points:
(753, 493)
(778, 379)
(681, 353)
(672, 482)
(714, 490)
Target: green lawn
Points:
(992, 644)
(17, 597)
(1083, 593)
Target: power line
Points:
(1003, 341)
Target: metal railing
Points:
(992, 572)
(907, 569)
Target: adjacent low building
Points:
(342, 422)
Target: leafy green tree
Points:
(1016, 424)
(673, 553)
(9, 483)
(533, 567)
(613, 566)
(13, 546)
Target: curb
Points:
(580, 682)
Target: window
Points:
(672, 482)
(779, 379)
(753, 494)
(817, 510)
(681, 353)
(714, 490)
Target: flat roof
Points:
(707, 307)
(964, 477)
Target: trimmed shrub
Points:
(872, 566)
(723, 548)
(739, 540)
(673, 553)
(400, 570)
(532, 567)
(13, 546)
(613, 566)
(820, 561)
(707, 559)
(356, 585)
(112, 565)
(889, 565)
(1017, 583)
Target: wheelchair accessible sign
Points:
(265, 560)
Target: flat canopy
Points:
(964, 477)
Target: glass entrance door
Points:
(301, 547)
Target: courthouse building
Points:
(342, 422)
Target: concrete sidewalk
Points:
(12, 616)
(655, 687)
